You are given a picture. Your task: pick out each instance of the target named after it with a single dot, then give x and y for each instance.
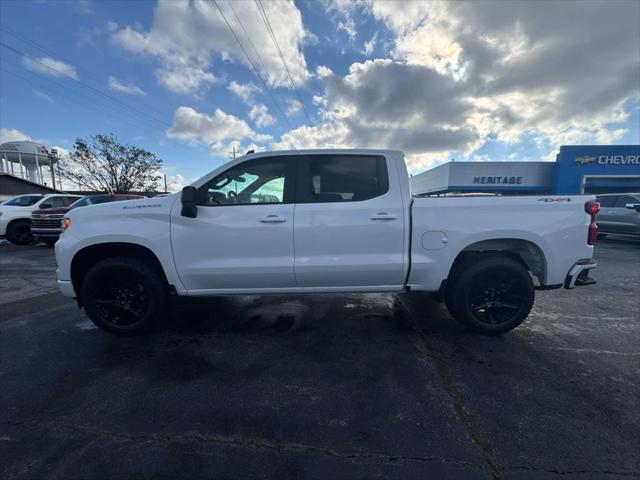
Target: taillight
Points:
(592, 208)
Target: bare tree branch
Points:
(103, 164)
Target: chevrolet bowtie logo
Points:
(584, 160)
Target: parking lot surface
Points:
(341, 386)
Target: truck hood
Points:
(12, 208)
(52, 211)
(123, 207)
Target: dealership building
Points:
(577, 169)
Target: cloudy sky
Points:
(192, 80)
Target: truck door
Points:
(607, 218)
(627, 219)
(349, 223)
(242, 237)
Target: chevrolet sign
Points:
(584, 160)
(610, 160)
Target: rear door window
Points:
(56, 202)
(341, 178)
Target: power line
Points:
(95, 90)
(255, 50)
(38, 46)
(267, 23)
(76, 93)
(131, 121)
(255, 70)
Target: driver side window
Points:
(263, 180)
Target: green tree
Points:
(103, 164)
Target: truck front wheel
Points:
(19, 232)
(123, 295)
(492, 295)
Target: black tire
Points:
(492, 295)
(19, 232)
(50, 242)
(124, 296)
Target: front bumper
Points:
(578, 276)
(44, 233)
(66, 288)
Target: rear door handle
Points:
(383, 216)
(273, 219)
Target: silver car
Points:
(619, 213)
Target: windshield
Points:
(24, 200)
(83, 202)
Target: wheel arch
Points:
(526, 252)
(88, 256)
(13, 221)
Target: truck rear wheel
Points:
(123, 296)
(19, 232)
(492, 295)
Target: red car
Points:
(46, 223)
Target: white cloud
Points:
(246, 91)
(43, 96)
(49, 66)
(193, 126)
(184, 80)
(349, 27)
(130, 89)
(293, 106)
(81, 6)
(464, 72)
(226, 149)
(260, 116)
(12, 135)
(367, 48)
(187, 37)
(323, 71)
(176, 182)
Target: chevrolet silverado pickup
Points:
(322, 221)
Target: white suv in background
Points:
(15, 214)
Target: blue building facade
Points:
(578, 169)
(597, 169)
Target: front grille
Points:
(46, 221)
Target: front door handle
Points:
(273, 219)
(383, 216)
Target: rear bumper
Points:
(578, 276)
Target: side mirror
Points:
(189, 207)
(633, 206)
(46, 205)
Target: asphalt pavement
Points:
(324, 386)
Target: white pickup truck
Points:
(320, 221)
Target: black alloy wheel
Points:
(498, 296)
(19, 233)
(123, 295)
(492, 295)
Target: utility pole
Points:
(233, 152)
